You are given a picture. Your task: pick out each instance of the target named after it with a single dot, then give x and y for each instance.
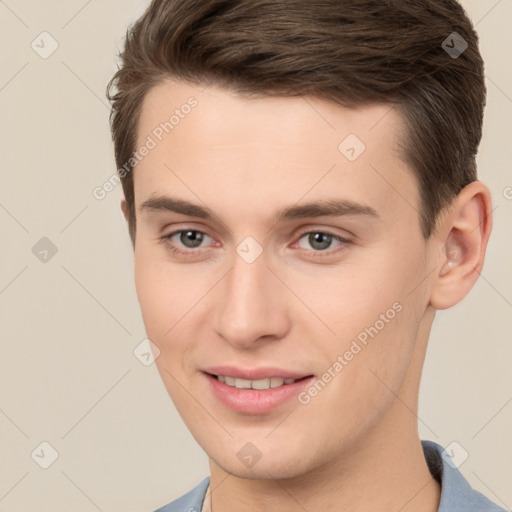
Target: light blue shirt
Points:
(456, 493)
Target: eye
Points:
(191, 241)
(189, 238)
(320, 241)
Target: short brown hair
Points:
(352, 52)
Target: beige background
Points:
(68, 375)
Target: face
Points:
(271, 244)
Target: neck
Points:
(388, 476)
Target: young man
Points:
(301, 193)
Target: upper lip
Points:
(263, 372)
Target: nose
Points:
(250, 305)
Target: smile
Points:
(258, 395)
(272, 382)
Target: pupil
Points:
(320, 240)
(191, 236)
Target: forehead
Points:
(223, 111)
(267, 148)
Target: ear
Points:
(124, 209)
(462, 240)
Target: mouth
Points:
(254, 392)
(261, 384)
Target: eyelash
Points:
(316, 254)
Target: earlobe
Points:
(463, 238)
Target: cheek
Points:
(374, 320)
(367, 379)
(352, 298)
(150, 289)
(172, 304)
(163, 296)
(164, 303)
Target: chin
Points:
(263, 470)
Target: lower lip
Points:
(255, 401)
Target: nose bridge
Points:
(246, 293)
(248, 306)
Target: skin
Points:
(355, 445)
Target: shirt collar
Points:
(456, 493)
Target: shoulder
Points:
(456, 493)
(192, 501)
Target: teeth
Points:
(260, 384)
(230, 381)
(273, 382)
(243, 384)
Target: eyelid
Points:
(324, 230)
(347, 238)
(183, 227)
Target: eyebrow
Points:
(320, 208)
